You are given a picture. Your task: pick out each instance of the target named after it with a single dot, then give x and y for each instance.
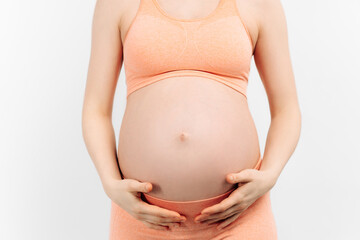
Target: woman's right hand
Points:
(127, 194)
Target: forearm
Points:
(99, 137)
(282, 139)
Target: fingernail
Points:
(231, 177)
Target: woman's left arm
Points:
(272, 59)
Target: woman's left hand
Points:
(252, 184)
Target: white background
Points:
(49, 187)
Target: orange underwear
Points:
(255, 223)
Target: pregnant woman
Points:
(187, 128)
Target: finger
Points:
(160, 212)
(155, 226)
(239, 211)
(227, 221)
(240, 195)
(220, 207)
(245, 175)
(159, 220)
(136, 186)
(222, 215)
(210, 221)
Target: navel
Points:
(183, 136)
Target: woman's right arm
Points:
(103, 72)
(98, 132)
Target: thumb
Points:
(140, 186)
(245, 175)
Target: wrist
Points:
(109, 184)
(271, 176)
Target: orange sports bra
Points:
(158, 46)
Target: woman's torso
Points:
(185, 133)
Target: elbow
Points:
(292, 110)
(291, 113)
(91, 119)
(85, 119)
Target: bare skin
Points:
(267, 26)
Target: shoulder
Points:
(269, 15)
(264, 4)
(269, 9)
(113, 10)
(262, 8)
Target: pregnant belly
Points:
(184, 135)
